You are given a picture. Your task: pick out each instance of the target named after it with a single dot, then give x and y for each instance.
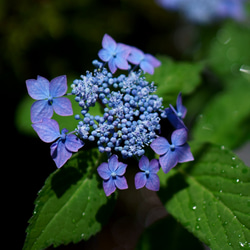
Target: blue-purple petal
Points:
(109, 186)
(184, 153)
(152, 60)
(113, 163)
(154, 166)
(179, 137)
(140, 180)
(104, 171)
(58, 86)
(160, 145)
(47, 130)
(168, 161)
(104, 55)
(108, 43)
(147, 67)
(40, 110)
(121, 169)
(112, 65)
(73, 143)
(62, 106)
(120, 182)
(144, 163)
(121, 62)
(135, 56)
(153, 182)
(60, 154)
(38, 89)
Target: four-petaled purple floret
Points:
(112, 175)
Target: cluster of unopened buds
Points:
(130, 121)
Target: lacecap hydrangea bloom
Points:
(130, 121)
(206, 11)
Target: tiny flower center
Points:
(113, 175)
(172, 147)
(179, 114)
(63, 137)
(147, 173)
(50, 100)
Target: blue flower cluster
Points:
(130, 119)
(206, 11)
(131, 111)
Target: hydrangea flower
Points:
(112, 175)
(148, 177)
(147, 62)
(49, 97)
(206, 11)
(114, 53)
(61, 150)
(171, 154)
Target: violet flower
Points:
(171, 154)
(146, 62)
(112, 173)
(114, 53)
(148, 177)
(49, 97)
(61, 150)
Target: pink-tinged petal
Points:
(121, 169)
(113, 163)
(123, 50)
(108, 43)
(154, 166)
(152, 60)
(147, 67)
(153, 182)
(140, 180)
(121, 182)
(104, 55)
(73, 143)
(109, 186)
(184, 153)
(60, 155)
(58, 86)
(40, 110)
(168, 161)
(112, 65)
(38, 89)
(160, 145)
(47, 130)
(144, 163)
(62, 106)
(179, 137)
(135, 56)
(104, 171)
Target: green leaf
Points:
(225, 119)
(174, 77)
(210, 197)
(71, 206)
(166, 233)
(230, 49)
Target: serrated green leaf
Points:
(71, 206)
(174, 77)
(210, 197)
(225, 118)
